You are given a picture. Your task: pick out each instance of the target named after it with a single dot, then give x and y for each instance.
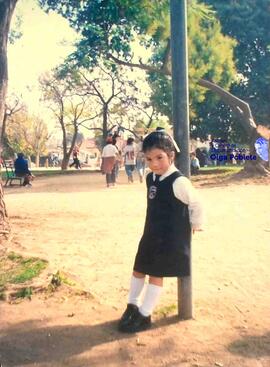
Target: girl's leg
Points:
(127, 171)
(113, 175)
(152, 296)
(140, 172)
(135, 319)
(136, 287)
(128, 168)
(108, 179)
(131, 168)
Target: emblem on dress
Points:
(152, 192)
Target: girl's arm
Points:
(184, 191)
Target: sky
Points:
(38, 50)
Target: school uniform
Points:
(172, 211)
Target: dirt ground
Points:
(92, 233)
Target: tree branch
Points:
(142, 66)
(240, 107)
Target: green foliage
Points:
(210, 57)
(26, 133)
(247, 21)
(216, 118)
(110, 27)
(15, 32)
(159, 122)
(166, 310)
(15, 269)
(23, 293)
(58, 279)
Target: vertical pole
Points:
(180, 106)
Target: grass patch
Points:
(2, 294)
(23, 293)
(220, 169)
(16, 269)
(54, 172)
(58, 279)
(50, 173)
(166, 310)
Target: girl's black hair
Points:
(130, 141)
(160, 140)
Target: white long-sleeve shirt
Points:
(184, 191)
(109, 150)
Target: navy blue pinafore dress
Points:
(164, 249)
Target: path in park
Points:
(92, 233)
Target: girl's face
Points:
(158, 160)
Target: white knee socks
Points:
(136, 287)
(150, 300)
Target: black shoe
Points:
(127, 316)
(137, 323)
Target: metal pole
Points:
(180, 106)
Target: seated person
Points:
(22, 170)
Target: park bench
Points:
(10, 173)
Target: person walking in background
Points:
(118, 158)
(194, 164)
(173, 213)
(108, 156)
(129, 158)
(76, 161)
(140, 165)
(140, 160)
(22, 170)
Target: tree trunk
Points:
(6, 10)
(244, 115)
(4, 224)
(105, 123)
(238, 106)
(3, 130)
(66, 152)
(65, 160)
(37, 159)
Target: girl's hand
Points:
(196, 230)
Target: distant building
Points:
(89, 153)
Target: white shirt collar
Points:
(170, 170)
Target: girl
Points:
(140, 160)
(173, 210)
(130, 158)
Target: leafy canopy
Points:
(109, 29)
(247, 21)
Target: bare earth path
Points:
(92, 233)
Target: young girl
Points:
(130, 158)
(173, 211)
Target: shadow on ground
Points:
(28, 343)
(252, 346)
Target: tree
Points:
(28, 134)
(210, 57)
(108, 29)
(13, 105)
(6, 11)
(106, 89)
(115, 96)
(69, 108)
(37, 137)
(247, 21)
